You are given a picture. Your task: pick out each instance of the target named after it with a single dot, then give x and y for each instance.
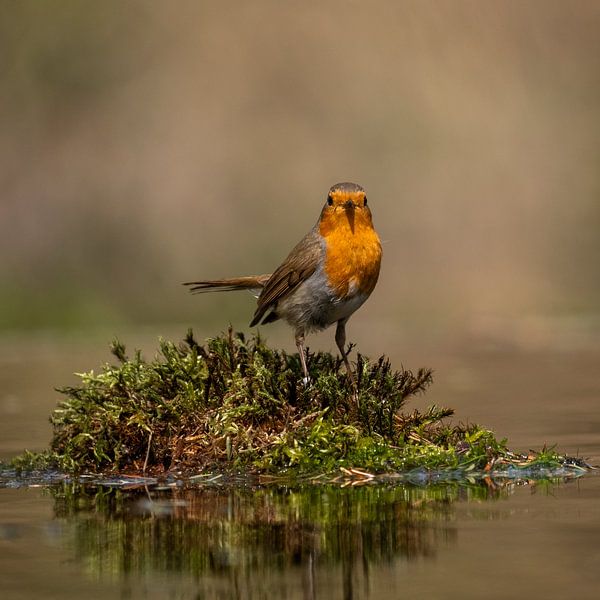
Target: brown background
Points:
(147, 143)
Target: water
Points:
(382, 541)
(532, 539)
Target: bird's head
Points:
(346, 207)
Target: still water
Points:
(452, 541)
(209, 540)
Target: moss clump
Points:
(235, 404)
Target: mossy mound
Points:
(237, 405)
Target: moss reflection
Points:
(251, 532)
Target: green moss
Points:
(237, 405)
(34, 461)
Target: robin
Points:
(324, 279)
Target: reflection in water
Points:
(237, 541)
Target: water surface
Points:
(383, 541)
(531, 539)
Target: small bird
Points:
(326, 277)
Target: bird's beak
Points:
(349, 210)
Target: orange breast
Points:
(353, 252)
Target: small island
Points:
(234, 405)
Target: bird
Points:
(326, 277)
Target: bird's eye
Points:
(365, 201)
(329, 200)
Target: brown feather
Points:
(300, 264)
(253, 282)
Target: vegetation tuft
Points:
(236, 405)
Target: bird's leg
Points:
(340, 340)
(300, 346)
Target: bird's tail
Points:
(253, 282)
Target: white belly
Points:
(344, 308)
(313, 306)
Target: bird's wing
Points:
(301, 263)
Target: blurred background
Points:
(149, 143)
